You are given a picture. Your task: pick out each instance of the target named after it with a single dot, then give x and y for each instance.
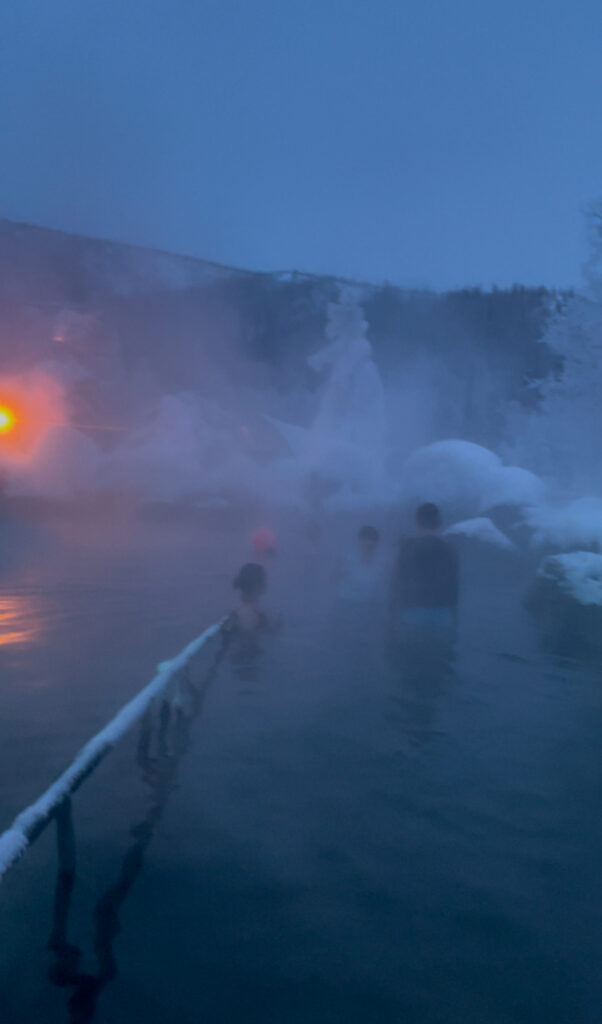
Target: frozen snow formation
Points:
(481, 528)
(346, 444)
(466, 478)
(347, 439)
(577, 574)
(576, 524)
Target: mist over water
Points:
(295, 390)
(338, 836)
(300, 570)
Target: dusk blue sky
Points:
(437, 142)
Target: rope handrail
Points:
(28, 825)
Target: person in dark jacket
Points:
(425, 583)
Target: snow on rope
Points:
(28, 825)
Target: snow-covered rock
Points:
(577, 574)
(481, 528)
(576, 524)
(466, 478)
(565, 601)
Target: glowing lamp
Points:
(7, 419)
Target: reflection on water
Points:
(422, 666)
(159, 774)
(346, 843)
(164, 738)
(21, 621)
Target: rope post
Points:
(32, 821)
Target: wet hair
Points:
(428, 516)
(369, 533)
(251, 578)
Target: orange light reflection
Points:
(19, 623)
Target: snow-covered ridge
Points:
(48, 264)
(38, 260)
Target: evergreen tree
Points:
(563, 438)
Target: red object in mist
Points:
(264, 541)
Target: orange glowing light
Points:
(7, 419)
(30, 406)
(20, 621)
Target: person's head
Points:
(251, 582)
(428, 518)
(264, 542)
(368, 538)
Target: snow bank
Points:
(482, 529)
(577, 524)
(578, 574)
(460, 475)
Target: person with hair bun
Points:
(248, 621)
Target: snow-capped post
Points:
(31, 822)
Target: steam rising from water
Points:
(193, 444)
(350, 441)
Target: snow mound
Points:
(481, 528)
(578, 574)
(460, 475)
(577, 524)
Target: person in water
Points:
(422, 623)
(248, 622)
(359, 577)
(251, 584)
(425, 583)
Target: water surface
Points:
(329, 843)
